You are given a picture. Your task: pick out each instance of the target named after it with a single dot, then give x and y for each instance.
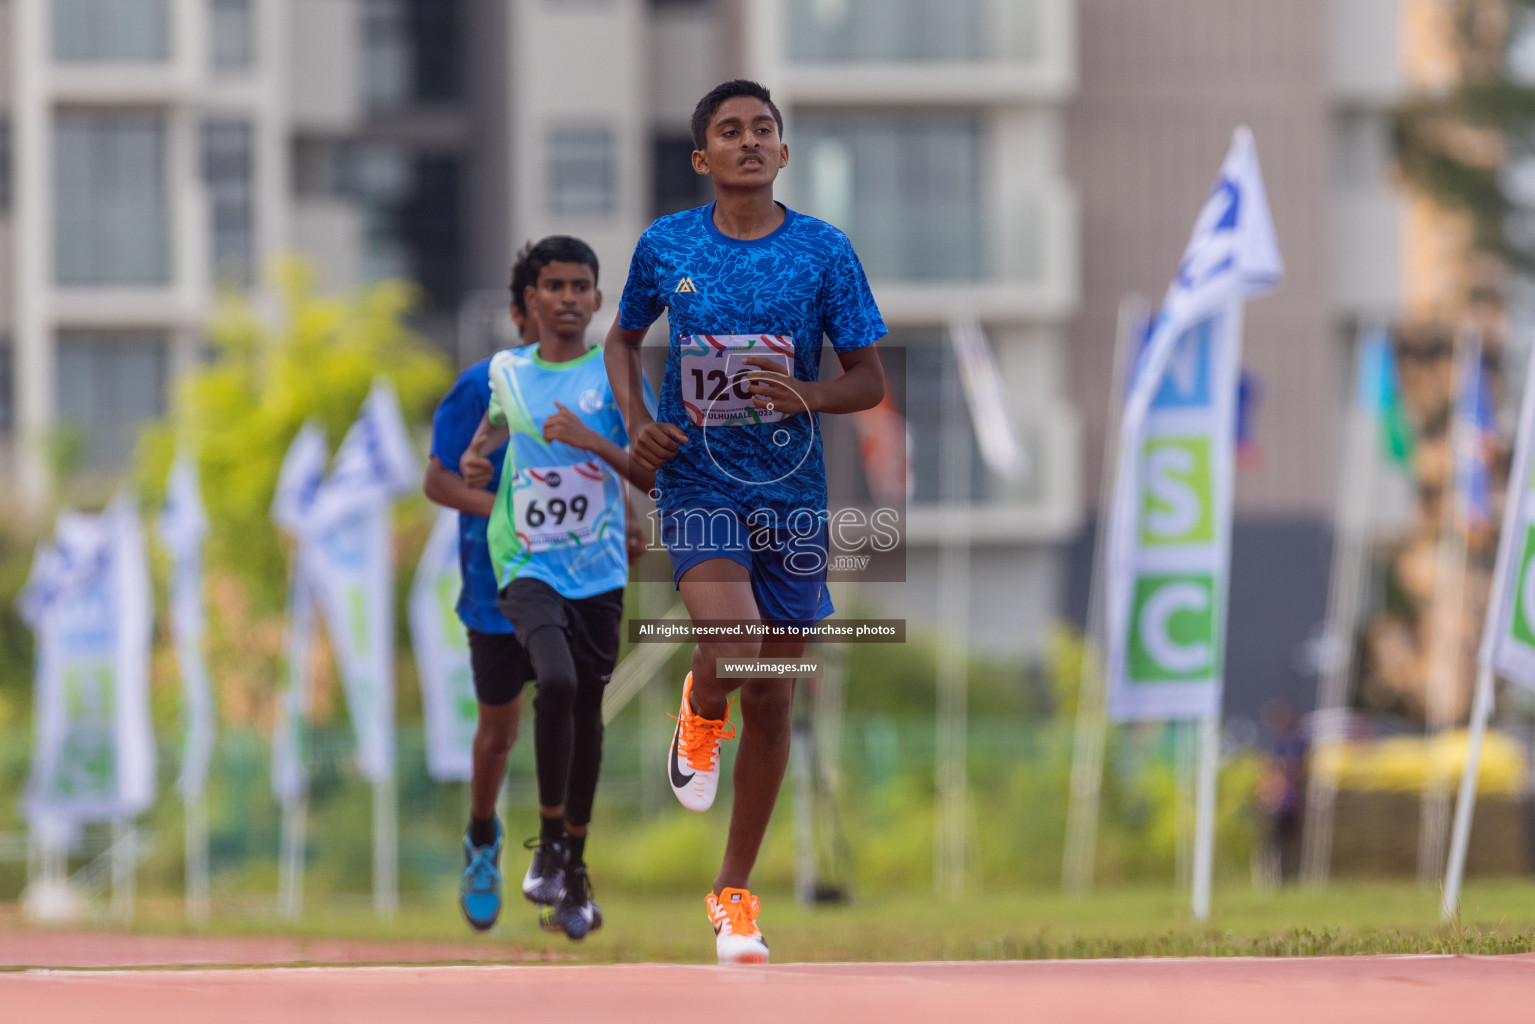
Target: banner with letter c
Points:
(1171, 668)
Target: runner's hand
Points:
(566, 426)
(769, 384)
(657, 443)
(476, 469)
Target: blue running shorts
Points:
(787, 563)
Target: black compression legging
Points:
(567, 726)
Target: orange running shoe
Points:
(693, 762)
(737, 939)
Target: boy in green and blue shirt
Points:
(560, 547)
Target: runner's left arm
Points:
(447, 488)
(567, 427)
(860, 386)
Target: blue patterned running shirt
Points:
(727, 299)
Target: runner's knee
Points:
(549, 651)
(768, 703)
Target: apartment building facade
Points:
(156, 151)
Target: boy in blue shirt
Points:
(500, 664)
(558, 544)
(749, 288)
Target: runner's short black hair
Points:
(559, 249)
(710, 104)
(521, 278)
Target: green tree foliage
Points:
(1454, 145)
(240, 411)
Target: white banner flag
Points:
(298, 482)
(351, 565)
(1170, 666)
(448, 702)
(1508, 635)
(182, 528)
(1169, 531)
(987, 399)
(89, 603)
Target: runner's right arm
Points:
(654, 443)
(566, 426)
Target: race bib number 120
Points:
(557, 506)
(714, 378)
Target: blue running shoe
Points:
(479, 889)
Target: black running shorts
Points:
(501, 667)
(590, 623)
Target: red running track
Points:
(1355, 990)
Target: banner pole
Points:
(1465, 803)
(290, 881)
(124, 861)
(1083, 807)
(1204, 814)
(196, 810)
(1447, 611)
(951, 838)
(1350, 551)
(386, 898)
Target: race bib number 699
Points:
(715, 379)
(557, 506)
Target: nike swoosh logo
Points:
(717, 929)
(679, 780)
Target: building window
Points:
(7, 386)
(411, 52)
(109, 383)
(227, 178)
(930, 370)
(428, 224)
(412, 208)
(435, 37)
(5, 164)
(831, 31)
(111, 30)
(677, 185)
(110, 219)
(581, 171)
(1361, 148)
(231, 41)
(905, 187)
(386, 59)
